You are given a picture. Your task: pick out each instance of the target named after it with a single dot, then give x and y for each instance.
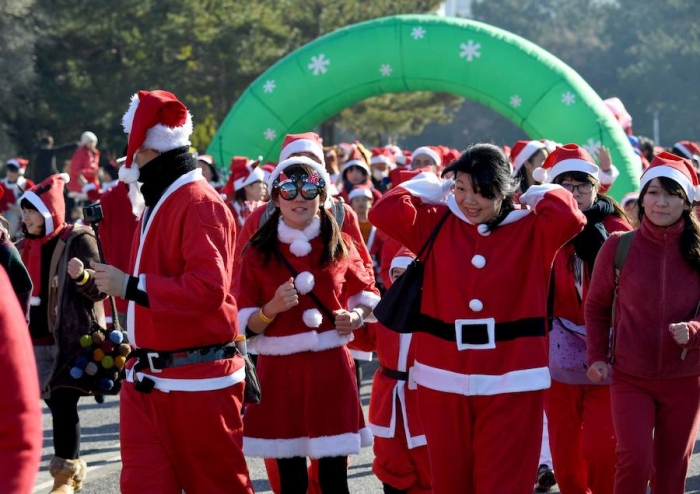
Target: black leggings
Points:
(66, 423)
(332, 475)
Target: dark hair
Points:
(111, 170)
(690, 237)
(585, 177)
(265, 239)
(489, 172)
(239, 195)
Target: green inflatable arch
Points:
(521, 81)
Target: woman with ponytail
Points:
(580, 427)
(653, 356)
(302, 290)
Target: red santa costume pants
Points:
(482, 444)
(402, 468)
(656, 422)
(582, 438)
(183, 440)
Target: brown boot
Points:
(67, 475)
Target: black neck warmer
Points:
(158, 174)
(589, 241)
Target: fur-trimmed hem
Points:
(316, 447)
(308, 341)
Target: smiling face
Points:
(477, 208)
(662, 206)
(33, 221)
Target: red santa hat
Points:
(267, 168)
(209, 160)
(360, 191)
(155, 120)
(308, 142)
(449, 155)
(244, 171)
(356, 159)
(523, 151)
(432, 152)
(568, 158)
(299, 160)
(383, 155)
(629, 197)
(47, 198)
(401, 259)
(677, 169)
(623, 117)
(19, 163)
(688, 149)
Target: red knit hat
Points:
(19, 163)
(155, 120)
(308, 142)
(433, 152)
(523, 151)
(47, 198)
(677, 169)
(568, 158)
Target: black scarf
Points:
(589, 241)
(158, 174)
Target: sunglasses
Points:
(290, 190)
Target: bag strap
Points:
(623, 249)
(431, 239)
(311, 294)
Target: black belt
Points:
(156, 360)
(393, 373)
(477, 333)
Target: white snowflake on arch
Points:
(592, 146)
(269, 86)
(418, 33)
(568, 98)
(470, 50)
(385, 69)
(270, 134)
(515, 101)
(318, 64)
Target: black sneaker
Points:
(545, 479)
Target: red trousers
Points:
(183, 440)
(402, 468)
(656, 423)
(582, 438)
(482, 444)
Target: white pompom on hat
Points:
(564, 159)
(155, 120)
(677, 169)
(88, 137)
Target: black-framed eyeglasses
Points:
(584, 188)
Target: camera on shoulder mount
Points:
(93, 213)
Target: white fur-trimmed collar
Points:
(513, 216)
(299, 240)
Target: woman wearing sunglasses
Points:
(303, 290)
(481, 359)
(581, 433)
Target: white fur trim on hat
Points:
(304, 282)
(36, 201)
(160, 137)
(684, 149)
(692, 193)
(312, 318)
(564, 166)
(425, 150)
(360, 192)
(400, 262)
(298, 160)
(302, 146)
(526, 153)
(380, 158)
(257, 175)
(357, 163)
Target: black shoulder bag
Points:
(399, 308)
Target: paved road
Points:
(100, 449)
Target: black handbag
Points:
(252, 393)
(399, 308)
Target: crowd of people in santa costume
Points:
(557, 340)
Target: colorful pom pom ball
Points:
(81, 362)
(76, 373)
(98, 355)
(98, 337)
(106, 384)
(116, 337)
(85, 340)
(107, 362)
(119, 362)
(107, 347)
(124, 349)
(91, 369)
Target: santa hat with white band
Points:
(523, 151)
(308, 142)
(155, 120)
(298, 160)
(564, 159)
(677, 169)
(433, 152)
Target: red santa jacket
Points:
(86, 163)
(242, 211)
(489, 301)
(117, 233)
(13, 191)
(345, 284)
(183, 257)
(567, 302)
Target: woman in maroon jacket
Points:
(655, 355)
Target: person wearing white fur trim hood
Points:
(181, 317)
(303, 290)
(481, 366)
(652, 356)
(400, 453)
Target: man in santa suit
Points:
(181, 426)
(14, 184)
